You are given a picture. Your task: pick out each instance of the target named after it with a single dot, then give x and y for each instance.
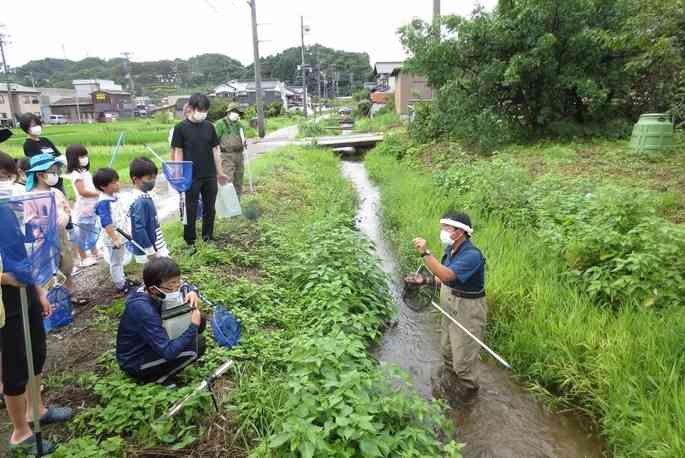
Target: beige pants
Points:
(460, 351)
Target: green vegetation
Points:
(532, 69)
(585, 270)
(382, 122)
(311, 298)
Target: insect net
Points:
(29, 239)
(179, 175)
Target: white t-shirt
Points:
(84, 206)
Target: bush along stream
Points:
(585, 284)
(311, 298)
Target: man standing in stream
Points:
(461, 277)
(195, 140)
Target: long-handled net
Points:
(418, 296)
(179, 175)
(30, 251)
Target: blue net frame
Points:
(179, 174)
(29, 239)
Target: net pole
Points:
(154, 154)
(476, 339)
(33, 381)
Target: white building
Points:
(84, 88)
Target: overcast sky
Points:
(166, 29)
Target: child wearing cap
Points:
(41, 177)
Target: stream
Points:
(505, 420)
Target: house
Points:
(409, 90)
(112, 103)
(245, 93)
(383, 73)
(74, 109)
(50, 95)
(24, 100)
(84, 88)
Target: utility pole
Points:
(318, 77)
(304, 71)
(257, 71)
(127, 68)
(3, 42)
(436, 19)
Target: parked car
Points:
(57, 119)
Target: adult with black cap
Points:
(461, 275)
(232, 143)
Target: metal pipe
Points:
(468, 333)
(33, 381)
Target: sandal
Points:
(56, 415)
(30, 446)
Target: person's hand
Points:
(10, 280)
(117, 243)
(45, 304)
(196, 317)
(420, 245)
(222, 179)
(415, 279)
(192, 298)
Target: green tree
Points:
(531, 67)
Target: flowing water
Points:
(505, 420)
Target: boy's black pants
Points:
(207, 188)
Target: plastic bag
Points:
(227, 203)
(62, 314)
(226, 327)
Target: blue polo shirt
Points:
(468, 264)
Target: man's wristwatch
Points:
(425, 253)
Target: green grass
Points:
(379, 123)
(624, 368)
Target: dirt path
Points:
(506, 420)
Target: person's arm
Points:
(138, 232)
(104, 211)
(444, 274)
(81, 189)
(216, 152)
(56, 151)
(242, 136)
(177, 144)
(154, 334)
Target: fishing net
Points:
(62, 314)
(29, 239)
(179, 174)
(226, 327)
(86, 232)
(418, 297)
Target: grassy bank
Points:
(592, 317)
(311, 298)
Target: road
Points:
(276, 139)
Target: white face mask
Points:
(233, 116)
(446, 238)
(198, 116)
(83, 161)
(51, 179)
(171, 299)
(36, 131)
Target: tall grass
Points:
(625, 368)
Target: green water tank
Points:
(653, 132)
